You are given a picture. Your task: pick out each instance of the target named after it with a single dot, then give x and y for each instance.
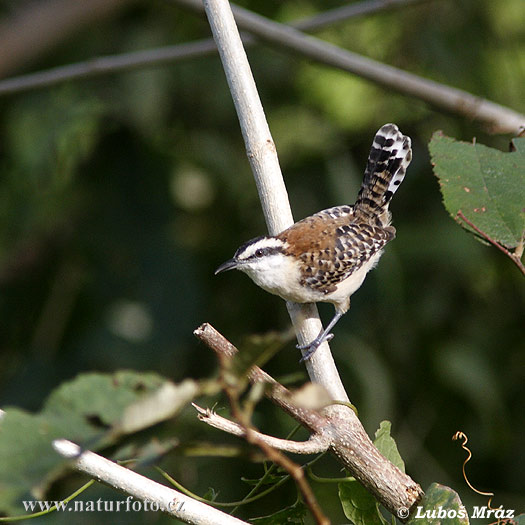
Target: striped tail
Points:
(389, 158)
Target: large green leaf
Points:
(485, 184)
(91, 410)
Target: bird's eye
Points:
(259, 252)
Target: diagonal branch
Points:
(499, 119)
(107, 65)
(154, 495)
(262, 155)
(172, 54)
(348, 439)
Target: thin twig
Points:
(248, 499)
(315, 445)
(178, 53)
(514, 258)
(108, 65)
(340, 14)
(496, 117)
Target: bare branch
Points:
(108, 65)
(155, 495)
(340, 14)
(177, 53)
(278, 394)
(348, 439)
(315, 445)
(499, 119)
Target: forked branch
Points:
(339, 428)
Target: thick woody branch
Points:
(339, 426)
(155, 495)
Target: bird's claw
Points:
(313, 346)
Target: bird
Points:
(326, 256)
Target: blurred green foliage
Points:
(120, 195)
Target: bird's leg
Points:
(323, 336)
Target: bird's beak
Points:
(228, 265)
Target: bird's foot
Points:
(313, 346)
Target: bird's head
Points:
(256, 257)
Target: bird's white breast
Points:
(279, 275)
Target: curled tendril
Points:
(490, 495)
(463, 436)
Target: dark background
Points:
(120, 195)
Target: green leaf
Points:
(485, 184)
(387, 446)
(102, 396)
(440, 506)
(294, 514)
(88, 410)
(359, 506)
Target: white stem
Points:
(155, 495)
(268, 178)
(258, 140)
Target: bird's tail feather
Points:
(389, 158)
